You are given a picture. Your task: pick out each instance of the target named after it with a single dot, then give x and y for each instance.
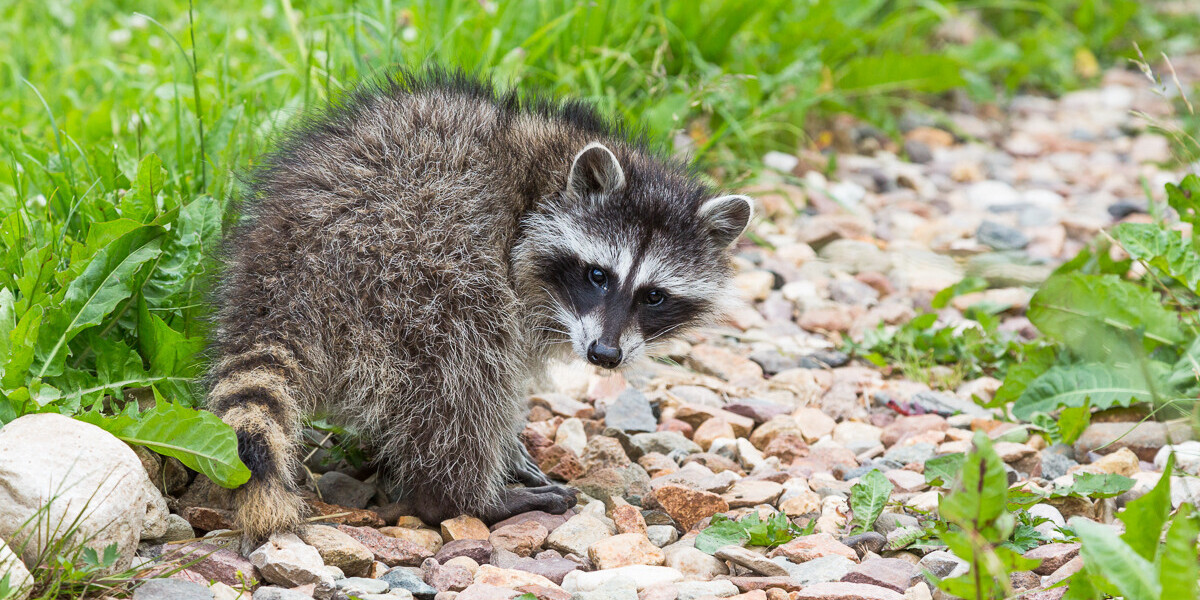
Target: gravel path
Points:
(767, 413)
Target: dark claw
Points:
(554, 499)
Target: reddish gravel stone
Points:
(215, 563)
(479, 551)
(549, 521)
(687, 506)
(892, 573)
(356, 517)
(208, 519)
(389, 551)
(905, 427)
(521, 538)
(1052, 556)
(840, 590)
(808, 547)
(559, 463)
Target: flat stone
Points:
(751, 560)
(1122, 462)
(204, 518)
(426, 538)
(338, 488)
(464, 527)
(687, 506)
(171, 589)
(478, 550)
(813, 546)
(749, 493)
(631, 412)
(719, 362)
(358, 586)
(814, 424)
(522, 538)
(1053, 556)
(447, 577)
(639, 577)
(892, 573)
(510, 578)
(943, 565)
(562, 404)
(483, 591)
(277, 593)
(554, 568)
(623, 550)
(817, 570)
(717, 588)
(663, 442)
(577, 534)
(840, 590)
(549, 521)
(758, 584)
(1144, 439)
(697, 415)
(946, 404)
(215, 563)
(338, 549)
(403, 578)
(389, 551)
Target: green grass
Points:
(123, 131)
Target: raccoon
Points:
(408, 259)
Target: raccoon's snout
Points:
(603, 355)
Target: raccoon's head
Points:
(629, 253)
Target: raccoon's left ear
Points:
(595, 171)
(727, 217)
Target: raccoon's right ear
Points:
(595, 171)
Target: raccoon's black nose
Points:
(603, 355)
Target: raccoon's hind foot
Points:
(554, 499)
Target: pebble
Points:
(171, 589)
(338, 549)
(687, 506)
(817, 545)
(817, 570)
(749, 559)
(844, 591)
(639, 577)
(405, 579)
(631, 412)
(286, 560)
(464, 527)
(521, 538)
(694, 564)
(624, 550)
(892, 573)
(578, 534)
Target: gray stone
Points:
(178, 529)
(357, 586)
(852, 292)
(918, 151)
(824, 359)
(631, 412)
(943, 564)
(577, 534)
(343, 490)
(662, 535)
(1001, 237)
(171, 589)
(773, 361)
(691, 590)
(1055, 465)
(866, 542)
(946, 404)
(817, 570)
(403, 578)
(278, 593)
(548, 565)
(889, 522)
(663, 442)
(913, 453)
(751, 560)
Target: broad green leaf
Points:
(1072, 421)
(721, 532)
(1145, 516)
(1021, 374)
(168, 351)
(1178, 572)
(194, 236)
(197, 438)
(1185, 199)
(1104, 552)
(22, 342)
(941, 470)
(89, 298)
(1103, 386)
(965, 286)
(774, 531)
(1075, 309)
(978, 495)
(1097, 485)
(1165, 250)
(868, 497)
(140, 204)
(8, 322)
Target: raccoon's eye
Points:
(655, 297)
(597, 277)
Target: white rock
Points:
(579, 532)
(286, 560)
(694, 564)
(1187, 457)
(986, 194)
(640, 576)
(750, 456)
(571, 436)
(75, 469)
(690, 590)
(18, 576)
(1054, 520)
(661, 535)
